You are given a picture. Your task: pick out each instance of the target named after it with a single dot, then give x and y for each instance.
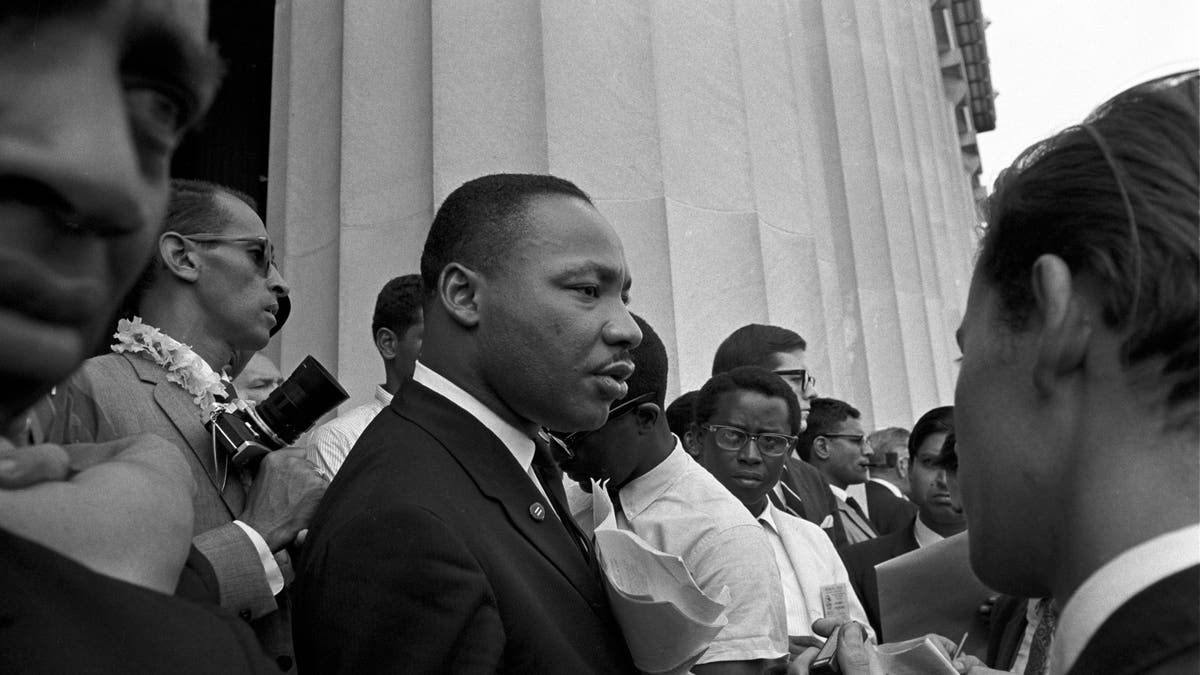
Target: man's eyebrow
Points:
(162, 50)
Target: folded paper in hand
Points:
(667, 620)
(918, 656)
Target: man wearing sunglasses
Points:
(213, 286)
(835, 444)
(666, 498)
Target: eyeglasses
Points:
(263, 255)
(798, 378)
(569, 441)
(855, 439)
(733, 439)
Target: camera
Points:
(250, 433)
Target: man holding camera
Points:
(211, 292)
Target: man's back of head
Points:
(889, 461)
(398, 326)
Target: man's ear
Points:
(820, 447)
(1065, 330)
(385, 342)
(458, 291)
(647, 415)
(178, 257)
(902, 467)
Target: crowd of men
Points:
(446, 526)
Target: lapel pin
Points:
(537, 511)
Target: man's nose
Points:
(750, 452)
(622, 330)
(276, 282)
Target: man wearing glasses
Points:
(746, 422)
(213, 286)
(671, 502)
(835, 444)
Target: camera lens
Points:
(309, 392)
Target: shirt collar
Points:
(767, 517)
(648, 487)
(520, 445)
(383, 396)
(924, 535)
(1115, 583)
(838, 492)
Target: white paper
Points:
(667, 620)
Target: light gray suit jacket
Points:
(116, 395)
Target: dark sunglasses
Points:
(569, 441)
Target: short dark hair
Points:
(679, 413)
(191, 209)
(940, 420)
(948, 456)
(478, 223)
(1118, 199)
(650, 367)
(745, 378)
(823, 417)
(398, 306)
(753, 345)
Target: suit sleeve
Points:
(241, 579)
(395, 590)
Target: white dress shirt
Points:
(807, 562)
(332, 441)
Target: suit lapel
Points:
(852, 517)
(499, 477)
(177, 405)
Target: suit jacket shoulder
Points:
(887, 512)
(432, 551)
(1157, 631)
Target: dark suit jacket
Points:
(807, 495)
(887, 512)
(861, 560)
(1157, 629)
(59, 617)
(117, 395)
(427, 555)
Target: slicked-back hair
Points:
(882, 439)
(1118, 199)
(938, 420)
(679, 413)
(745, 378)
(650, 367)
(823, 418)
(753, 345)
(480, 221)
(191, 209)
(398, 305)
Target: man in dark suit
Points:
(214, 287)
(444, 544)
(89, 119)
(801, 491)
(938, 516)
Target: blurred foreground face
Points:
(94, 99)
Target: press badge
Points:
(835, 603)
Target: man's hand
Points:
(29, 465)
(284, 496)
(857, 656)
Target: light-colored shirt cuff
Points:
(270, 567)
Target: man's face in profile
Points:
(94, 99)
(554, 329)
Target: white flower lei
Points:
(184, 366)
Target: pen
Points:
(961, 643)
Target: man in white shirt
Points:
(746, 421)
(397, 327)
(666, 498)
(445, 545)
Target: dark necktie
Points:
(550, 478)
(853, 503)
(1039, 648)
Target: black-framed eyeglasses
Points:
(798, 378)
(263, 255)
(856, 439)
(569, 441)
(733, 439)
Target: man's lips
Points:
(617, 370)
